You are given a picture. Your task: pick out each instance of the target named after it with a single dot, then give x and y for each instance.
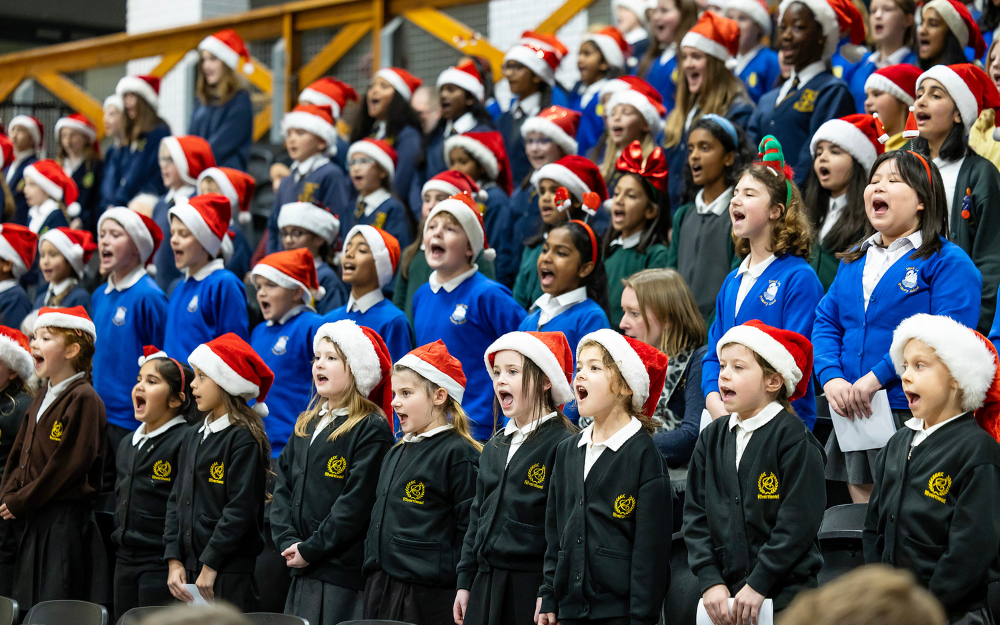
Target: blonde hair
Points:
(612, 151)
(451, 409)
(791, 232)
(664, 294)
(720, 88)
(229, 84)
(619, 386)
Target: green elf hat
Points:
(770, 154)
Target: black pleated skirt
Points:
(321, 603)
(501, 597)
(388, 599)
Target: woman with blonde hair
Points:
(224, 113)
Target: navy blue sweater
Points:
(228, 128)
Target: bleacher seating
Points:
(66, 612)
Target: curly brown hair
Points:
(791, 232)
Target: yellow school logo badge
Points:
(380, 220)
(57, 431)
(806, 102)
(624, 506)
(767, 485)
(161, 471)
(752, 79)
(938, 486)
(88, 180)
(674, 75)
(838, 71)
(414, 492)
(20, 186)
(536, 476)
(216, 473)
(309, 192)
(335, 467)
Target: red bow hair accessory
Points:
(653, 168)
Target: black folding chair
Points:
(270, 618)
(840, 540)
(681, 604)
(8, 611)
(136, 615)
(373, 622)
(63, 612)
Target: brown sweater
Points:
(59, 458)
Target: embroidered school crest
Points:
(536, 476)
(57, 431)
(119, 318)
(414, 492)
(806, 102)
(674, 75)
(161, 471)
(767, 486)
(624, 506)
(309, 192)
(771, 293)
(193, 304)
(20, 186)
(838, 71)
(752, 79)
(938, 486)
(335, 467)
(88, 180)
(458, 316)
(909, 282)
(380, 220)
(280, 346)
(217, 473)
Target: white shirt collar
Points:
(616, 440)
(916, 240)
(133, 276)
(668, 53)
(364, 303)
(38, 214)
(18, 158)
(718, 206)
(808, 73)
(70, 165)
(6, 285)
(328, 416)
(922, 433)
(309, 165)
(757, 421)
(628, 242)
(530, 105)
(592, 90)
(512, 429)
(742, 60)
(214, 427)
(379, 130)
(463, 124)
(181, 194)
(416, 438)
(552, 306)
(893, 59)
(636, 35)
(454, 283)
(374, 199)
(56, 390)
(139, 437)
(758, 269)
(206, 271)
(61, 287)
(301, 308)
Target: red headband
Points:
(593, 239)
(181, 370)
(927, 168)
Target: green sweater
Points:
(702, 251)
(621, 263)
(825, 263)
(418, 276)
(527, 287)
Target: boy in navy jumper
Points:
(461, 92)
(305, 225)
(18, 245)
(286, 289)
(62, 255)
(372, 164)
(26, 133)
(463, 308)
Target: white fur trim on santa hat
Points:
(358, 349)
(769, 348)
(28, 124)
(219, 371)
(465, 80)
(609, 49)
(827, 19)
(756, 12)
(550, 129)
(370, 149)
(562, 175)
(530, 59)
(72, 252)
(968, 359)
(16, 357)
(77, 125)
(538, 352)
(637, 7)
(179, 158)
(428, 371)
(376, 244)
(397, 83)
(641, 103)
(135, 228)
(51, 189)
(951, 18)
(224, 183)
(957, 89)
(154, 356)
(710, 47)
(138, 86)
(476, 150)
(224, 53)
(7, 252)
(69, 322)
(463, 213)
(302, 120)
(629, 364)
(191, 218)
(310, 217)
(311, 96)
(881, 83)
(440, 185)
(847, 136)
(285, 281)
(116, 101)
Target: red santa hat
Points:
(232, 364)
(32, 125)
(380, 150)
(401, 80)
(207, 217)
(550, 351)
(236, 185)
(317, 119)
(433, 363)
(856, 134)
(558, 123)
(143, 231)
(643, 367)
(74, 318)
(310, 217)
(79, 123)
(49, 175)
(716, 36)
(292, 269)
(639, 94)
(466, 211)
(76, 246)
(228, 47)
(18, 244)
(15, 352)
(190, 154)
(970, 88)
(329, 92)
(612, 45)
(384, 248)
(146, 87)
(899, 81)
(152, 352)
(466, 76)
(757, 10)
(789, 353)
(6, 151)
(577, 174)
(836, 18)
(366, 355)
(487, 148)
(451, 182)
(540, 53)
(960, 22)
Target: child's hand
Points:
(293, 558)
(838, 394)
(714, 405)
(547, 618)
(176, 578)
(861, 394)
(716, 600)
(746, 605)
(76, 224)
(461, 604)
(206, 582)
(5, 513)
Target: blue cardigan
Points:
(228, 128)
(139, 167)
(865, 69)
(761, 73)
(849, 341)
(663, 77)
(575, 322)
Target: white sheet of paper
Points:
(863, 434)
(764, 617)
(198, 599)
(706, 418)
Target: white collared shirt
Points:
(833, 213)
(18, 157)
(328, 417)
(893, 59)
(365, 302)
(592, 90)
(552, 307)
(529, 106)
(949, 175)
(38, 214)
(519, 435)
(452, 284)
(133, 276)
(214, 427)
(373, 200)
(635, 35)
(206, 271)
(179, 195)
(139, 437)
(301, 308)
(379, 130)
(6, 285)
(718, 206)
(748, 277)
(301, 169)
(53, 392)
(614, 442)
(745, 428)
(628, 242)
(879, 259)
(59, 288)
(416, 438)
(463, 124)
(668, 53)
(742, 60)
(922, 432)
(808, 73)
(70, 164)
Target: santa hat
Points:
(789, 353)
(970, 357)
(207, 217)
(310, 217)
(577, 174)
(232, 364)
(76, 246)
(49, 175)
(152, 352)
(643, 367)
(433, 363)
(146, 87)
(550, 351)
(466, 76)
(329, 92)
(236, 185)
(401, 80)
(612, 45)
(79, 123)
(970, 88)
(380, 150)
(638, 7)
(6, 151)
(558, 123)
(116, 101)
(540, 53)
(466, 211)
(143, 231)
(15, 352)
(899, 81)
(317, 119)
(74, 318)
(451, 182)
(960, 22)
(384, 248)
(32, 125)
(642, 96)
(856, 134)
(487, 148)
(18, 244)
(190, 154)
(366, 355)
(835, 17)
(716, 36)
(228, 47)
(292, 269)
(757, 11)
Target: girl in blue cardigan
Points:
(907, 268)
(138, 169)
